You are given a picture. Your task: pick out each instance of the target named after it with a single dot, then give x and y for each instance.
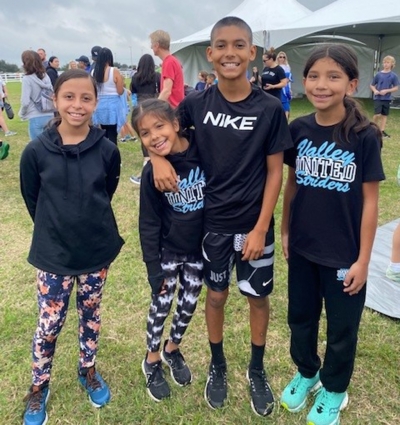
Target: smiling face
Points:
(230, 52)
(326, 85)
(159, 135)
(76, 102)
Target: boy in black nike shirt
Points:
(241, 134)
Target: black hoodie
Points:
(170, 220)
(68, 190)
(52, 73)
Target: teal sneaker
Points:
(327, 407)
(390, 274)
(295, 394)
(35, 411)
(97, 389)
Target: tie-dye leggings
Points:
(53, 292)
(189, 269)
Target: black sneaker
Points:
(216, 389)
(262, 400)
(180, 372)
(385, 135)
(157, 386)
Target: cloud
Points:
(70, 29)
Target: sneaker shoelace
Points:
(299, 383)
(177, 360)
(34, 400)
(157, 374)
(322, 400)
(91, 380)
(218, 376)
(258, 381)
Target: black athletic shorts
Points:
(381, 107)
(221, 252)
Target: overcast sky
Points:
(69, 29)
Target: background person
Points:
(110, 112)
(3, 124)
(145, 84)
(95, 53)
(34, 80)
(273, 78)
(42, 53)
(201, 84)
(52, 69)
(286, 94)
(172, 83)
(84, 63)
(383, 85)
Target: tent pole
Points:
(378, 53)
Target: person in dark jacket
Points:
(145, 84)
(170, 229)
(68, 176)
(51, 69)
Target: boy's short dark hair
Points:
(229, 21)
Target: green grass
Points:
(374, 391)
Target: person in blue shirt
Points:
(383, 85)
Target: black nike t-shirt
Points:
(234, 139)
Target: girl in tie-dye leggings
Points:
(170, 229)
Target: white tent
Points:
(376, 24)
(261, 15)
(371, 27)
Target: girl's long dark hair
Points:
(146, 73)
(104, 58)
(355, 119)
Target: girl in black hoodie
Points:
(171, 229)
(68, 177)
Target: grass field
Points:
(374, 391)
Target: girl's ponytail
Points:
(355, 121)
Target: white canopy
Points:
(372, 27)
(261, 15)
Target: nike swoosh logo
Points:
(266, 283)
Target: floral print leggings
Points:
(53, 292)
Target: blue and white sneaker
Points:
(35, 411)
(327, 407)
(295, 394)
(96, 387)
